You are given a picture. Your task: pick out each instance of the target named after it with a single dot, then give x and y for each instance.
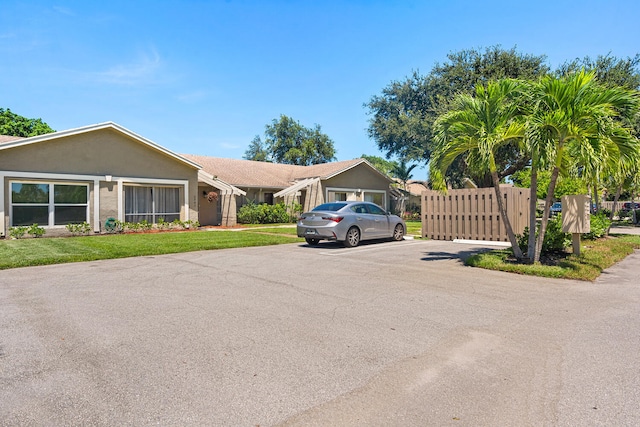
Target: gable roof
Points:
(8, 142)
(249, 173)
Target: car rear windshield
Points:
(332, 207)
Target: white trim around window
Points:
(357, 194)
(54, 210)
(62, 178)
(151, 182)
(56, 177)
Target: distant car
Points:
(556, 208)
(627, 206)
(349, 222)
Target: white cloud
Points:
(145, 69)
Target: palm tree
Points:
(403, 173)
(478, 126)
(573, 124)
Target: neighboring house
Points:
(270, 183)
(411, 196)
(103, 171)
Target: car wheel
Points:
(398, 233)
(312, 242)
(353, 237)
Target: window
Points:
(359, 209)
(268, 198)
(337, 196)
(375, 210)
(48, 204)
(375, 197)
(333, 207)
(151, 203)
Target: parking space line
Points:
(366, 248)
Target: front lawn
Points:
(596, 255)
(43, 251)
(414, 228)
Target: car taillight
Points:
(333, 218)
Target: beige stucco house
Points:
(104, 171)
(98, 172)
(270, 183)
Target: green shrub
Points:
(145, 225)
(36, 231)
(252, 213)
(191, 224)
(554, 239)
(18, 232)
(599, 225)
(81, 228)
(131, 226)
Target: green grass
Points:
(44, 251)
(289, 231)
(414, 228)
(595, 256)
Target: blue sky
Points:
(205, 77)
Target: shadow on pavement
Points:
(461, 256)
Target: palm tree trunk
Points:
(545, 214)
(533, 205)
(503, 213)
(615, 202)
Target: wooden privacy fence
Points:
(473, 213)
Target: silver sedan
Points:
(349, 222)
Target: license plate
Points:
(310, 231)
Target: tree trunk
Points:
(545, 214)
(503, 213)
(615, 202)
(533, 205)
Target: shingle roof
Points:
(416, 187)
(9, 138)
(248, 173)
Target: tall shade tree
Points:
(287, 141)
(383, 165)
(402, 116)
(477, 127)
(15, 125)
(257, 151)
(573, 124)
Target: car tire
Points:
(353, 237)
(312, 242)
(398, 233)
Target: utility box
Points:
(576, 214)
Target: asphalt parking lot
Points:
(393, 333)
